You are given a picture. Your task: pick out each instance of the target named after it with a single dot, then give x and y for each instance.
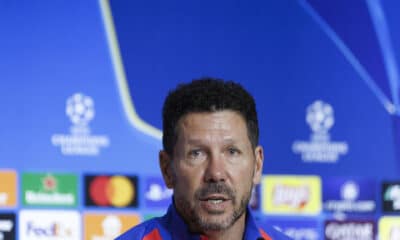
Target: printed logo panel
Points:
(49, 225)
(48, 189)
(8, 188)
(7, 226)
(80, 141)
(344, 230)
(389, 228)
(349, 195)
(300, 229)
(157, 195)
(108, 226)
(320, 148)
(391, 196)
(111, 191)
(286, 194)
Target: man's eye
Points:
(195, 153)
(233, 151)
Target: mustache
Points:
(213, 188)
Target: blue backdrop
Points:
(324, 75)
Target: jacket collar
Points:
(180, 230)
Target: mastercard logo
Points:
(111, 191)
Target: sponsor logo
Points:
(80, 141)
(8, 189)
(389, 228)
(303, 229)
(354, 230)
(344, 195)
(111, 191)
(108, 226)
(51, 225)
(320, 148)
(7, 226)
(156, 193)
(284, 194)
(391, 196)
(41, 189)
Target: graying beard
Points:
(199, 224)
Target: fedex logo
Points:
(53, 230)
(49, 225)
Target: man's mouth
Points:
(214, 199)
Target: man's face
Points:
(212, 169)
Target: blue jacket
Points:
(172, 227)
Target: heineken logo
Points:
(41, 189)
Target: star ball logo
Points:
(80, 110)
(391, 196)
(320, 148)
(111, 191)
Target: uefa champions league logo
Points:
(80, 110)
(320, 118)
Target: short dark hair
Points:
(207, 95)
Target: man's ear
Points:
(258, 166)
(165, 162)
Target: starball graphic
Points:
(320, 148)
(377, 68)
(80, 110)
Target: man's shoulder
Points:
(149, 229)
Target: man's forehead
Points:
(226, 125)
(206, 120)
(193, 140)
(220, 114)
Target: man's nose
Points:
(215, 169)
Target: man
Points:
(212, 160)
